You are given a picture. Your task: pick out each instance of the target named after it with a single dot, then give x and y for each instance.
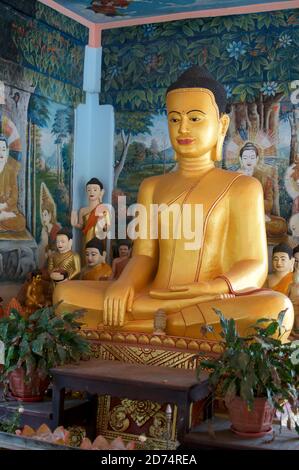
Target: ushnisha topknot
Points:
(200, 77)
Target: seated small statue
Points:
(227, 270)
(294, 292)
(283, 266)
(119, 263)
(64, 264)
(96, 268)
(36, 293)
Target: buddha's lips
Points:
(185, 141)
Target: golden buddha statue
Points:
(11, 219)
(64, 264)
(229, 268)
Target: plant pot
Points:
(257, 421)
(31, 390)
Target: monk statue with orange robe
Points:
(93, 220)
(96, 267)
(189, 280)
(283, 266)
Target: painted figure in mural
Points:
(119, 263)
(65, 264)
(93, 220)
(250, 165)
(294, 291)
(96, 268)
(283, 266)
(226, 271)
(11, 219)
(292, 184)
(50, 226)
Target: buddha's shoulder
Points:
(152, 182)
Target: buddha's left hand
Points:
(189, 291)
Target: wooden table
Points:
(222, 438)
(133, 381)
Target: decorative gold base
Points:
(118, 416)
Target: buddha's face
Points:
(94, 257)
(193, 121)
(46, 217)
(282, 263)
(63, 243)
(94, 192)
(296, 264)
(248, 160)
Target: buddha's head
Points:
(48, 213)
(64, 240)
(249, 157)
(94, 252)
(3, 152)
(95, 190)
(282, 259)
(197, 121)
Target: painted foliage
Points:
(41, 72)
(256, 58)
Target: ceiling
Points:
(112, 13)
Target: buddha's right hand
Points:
(118, 299)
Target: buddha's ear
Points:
(223, 126)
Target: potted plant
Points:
(34, 345)
(255, 374)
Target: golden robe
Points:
(9, 195)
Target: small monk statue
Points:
(11, 219)
(65, 264)
(96, 268)
(283, 265)
(294, 292)
(35, 297)
(119, 263)
(93, 220)
(226, 270)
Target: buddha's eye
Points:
(195, 118)
(174, 120)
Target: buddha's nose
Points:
(184, 128)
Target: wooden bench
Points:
(133, 381)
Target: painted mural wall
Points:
(41, 73)
(256, 57)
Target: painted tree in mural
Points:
(252, 55)
(126, 127)
(38, 117)
(60, 131)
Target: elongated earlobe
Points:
(224, 123)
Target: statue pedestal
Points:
(18, 255)
(146, 417)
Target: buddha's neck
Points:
(192, 166)
(95, 203)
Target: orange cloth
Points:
(98, 272)
(91, 221)
(284, 284)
